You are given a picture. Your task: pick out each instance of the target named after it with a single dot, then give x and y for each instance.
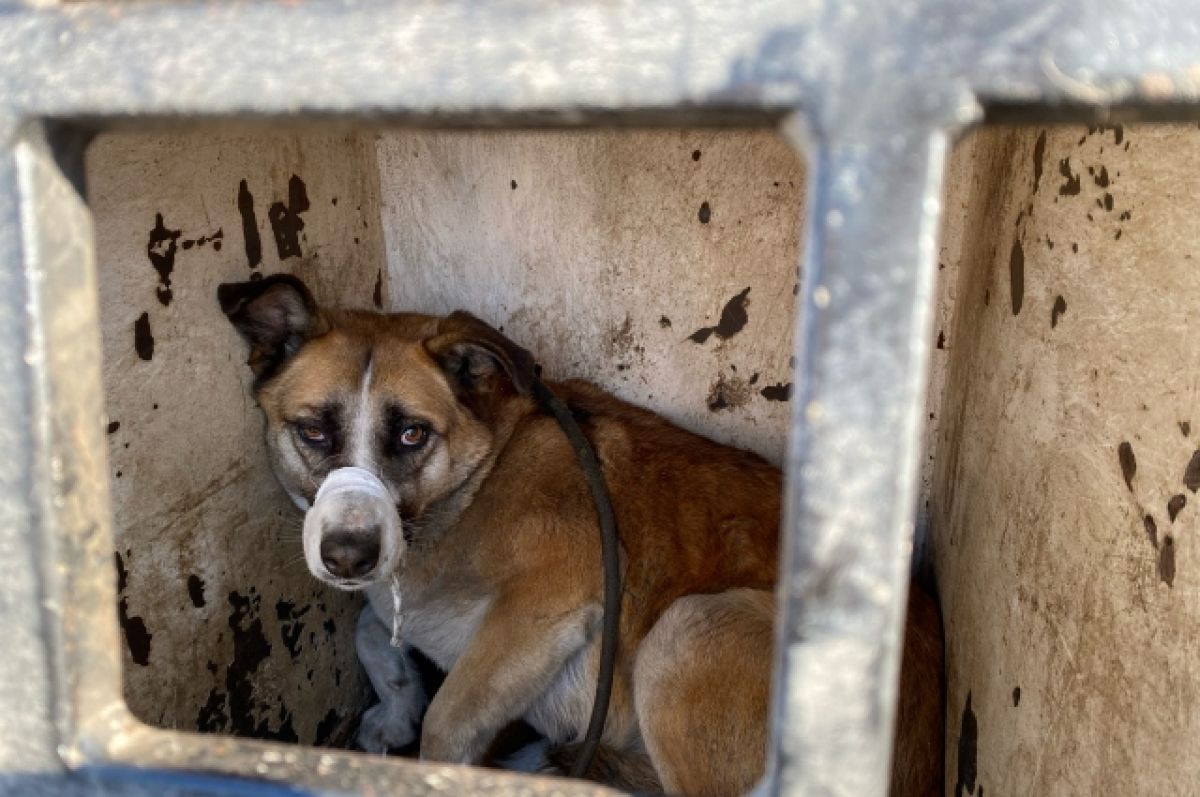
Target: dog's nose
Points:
(350, 554)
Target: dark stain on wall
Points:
(285, 220)
(1060, 307)
(1099, 176)
(777, 392)
(161, 249)
(377, 294)
(696, 156)
(664, 322)
(1016, 275)
(1039, 153)
(1151, 530)
(968, 751)
(733, 320)
(113, 426)
(214, 239)
(1071, 184)
(727, 393)
(143, 339)
(137, 638)
(327, 727)
(1191, 474)
(212, 717)
(1017, 689)
(250, 649)
(705, 213)
(291, 627)
(195, 587)
(1166, 561)
(512, 184)
(245, 204)
(1175, 505)
(1128, 463)
(1185, 428)
(122, 573)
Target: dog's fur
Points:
(499, 565)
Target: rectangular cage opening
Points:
(659, 264)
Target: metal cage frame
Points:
(872, 91)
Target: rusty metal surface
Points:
(882, 84)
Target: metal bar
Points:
(27, 686)
(526, 62)
(862, 345)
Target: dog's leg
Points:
(393, 722)
(511, 661)
(702, 681)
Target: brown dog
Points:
(432, 481)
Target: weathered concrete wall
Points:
(226, 630)
(1064, 499)
(661, 265)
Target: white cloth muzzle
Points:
(352, 479)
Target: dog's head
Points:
(374, 422)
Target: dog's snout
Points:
(350, 554)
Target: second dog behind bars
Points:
(417, 453)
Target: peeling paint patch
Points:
(1039, 153)
(245, 205)
(733, 320)
(1128, 463)
(727, 393)
(1016, 275)
(1071, 184)
(137, 637)
(212, 717)
(143, 338)
(1175, 505)
(1151, 530)
(1060, 307)
(161, 248)
(777, 392)
(1191, 474)
(291, 628)
(286, 223)
(968, 751)
(195, 587)
(250, 649)
(326, 728)
(1166, 561)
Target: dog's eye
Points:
(311, 433)
(413, 435)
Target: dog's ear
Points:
(474, 356)
(276, 315)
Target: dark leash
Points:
(612, 574)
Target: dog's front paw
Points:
(387, 728)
